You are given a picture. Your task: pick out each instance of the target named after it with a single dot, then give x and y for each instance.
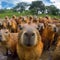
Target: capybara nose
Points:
(29, 34)
(29, 38)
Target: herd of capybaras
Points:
(28, 37)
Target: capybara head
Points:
(34, 20)
(52, 27)
(28, 37)
(6, 17)
(4, 33)
(14, 17)
(41, 27)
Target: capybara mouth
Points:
(28, 45)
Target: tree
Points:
(20, 6)
(52, 10)
(2, 10)
(37, 6)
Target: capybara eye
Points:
(33, 34)
(6, 32)
(26, 34)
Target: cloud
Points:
(8, 8)
(56, 3)
(46, 2)
(55, 0)
(0, 7)
(52, 2)
(28, 0)
(12, 3)
(15, 1)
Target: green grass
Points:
(52, 16)
(9, 14)
(26, 13)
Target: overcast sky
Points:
(11, 3)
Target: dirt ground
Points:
(46, 55)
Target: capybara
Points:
(29, 46)
(8, 40)
(48, 34)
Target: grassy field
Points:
(11, 13)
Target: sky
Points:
(11, 3)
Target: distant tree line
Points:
(36, 7)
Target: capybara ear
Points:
(55, 28)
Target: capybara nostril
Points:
(26, 34)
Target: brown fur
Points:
(13, 28)
(56, 53)
(12, 41)
(9, 40)
(47, 36)
(32, 53)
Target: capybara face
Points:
(14, 17)
(52, 27)
(28, 36)
(40, 26)
(6, 17)
(9, 24)
(4, 33)
(35, 19)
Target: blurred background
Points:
(29, 7)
